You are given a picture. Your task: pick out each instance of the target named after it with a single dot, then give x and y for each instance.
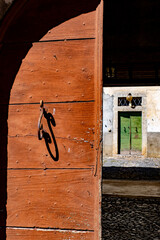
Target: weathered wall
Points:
(153, 144)
(153, 123)
(150, 115)
(107, 124)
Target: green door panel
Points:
(125, 132)
(130, 132)
(136, 132)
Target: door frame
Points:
(130, 135)
(117, 109)
(99, 116)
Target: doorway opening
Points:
(130, 133)
(131, 130)
(131, 65)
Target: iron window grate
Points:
(136, 101)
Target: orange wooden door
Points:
(56, 197)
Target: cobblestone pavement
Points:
(130, 218)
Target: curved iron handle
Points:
(40, 125)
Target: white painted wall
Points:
(107, 112)
(152, 105)
(153, 110)
(150, 116)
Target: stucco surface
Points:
(150, 124)
(152, 104)
(153, 110)
(153, 144)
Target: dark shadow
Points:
(119, 131)
(132, 173)
(3, 166)
(19, 29)
(47, 138)
(131, 43)
(37, 17)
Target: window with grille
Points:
(136, 101)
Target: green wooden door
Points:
(130, 132)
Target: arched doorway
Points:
(51, 194)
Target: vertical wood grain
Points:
(98, 128)
(63, 195)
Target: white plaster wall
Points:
(153, 110)
(107, 125)
(150, 111)
(107, 112)
(152, 105)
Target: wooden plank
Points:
(56, 71)
(29, 152)
(73, 120)
(131, 188)
(51, 199)
(25, 234)
(82, 26)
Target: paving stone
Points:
(130, 218)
